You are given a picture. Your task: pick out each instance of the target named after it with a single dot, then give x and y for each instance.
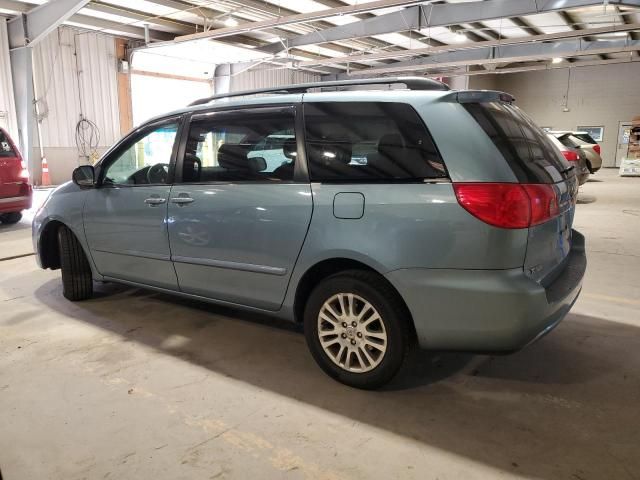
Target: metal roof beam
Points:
(508, 54)
(302, 18)
(88, 21)
(31, 27)
(533, 68)
(435, 15)
(544, 37)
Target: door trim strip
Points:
(246, 267)
(135, 253)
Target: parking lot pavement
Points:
(16, 239)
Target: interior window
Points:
(146, 160)
(369, 141)
(258, 146)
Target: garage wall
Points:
(599, 95)
(7, 104)
(263, 78)
(75, 73)
(483, 82)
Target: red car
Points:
(15, 191)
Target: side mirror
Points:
(84, 176)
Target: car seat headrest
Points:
(290, 148)
(233, 157)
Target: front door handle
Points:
(154, 200)
(182, 199)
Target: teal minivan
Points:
(379, 218)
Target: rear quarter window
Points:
(6, 150)
(585, 139)
(369, 142)
(526, 148)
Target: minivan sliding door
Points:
(240, 207)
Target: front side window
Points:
(146, 160)
(253, 146)
(369, 141)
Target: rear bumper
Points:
(487, 310)
(19, 202)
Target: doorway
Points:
(624, 132)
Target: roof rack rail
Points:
(412, 83)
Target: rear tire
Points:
(590, 168)
(77, 282)
(365, 353)
(10, 218)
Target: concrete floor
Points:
(133, 384)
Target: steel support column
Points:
(22, 70)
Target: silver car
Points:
(584, 142)
(360, 214)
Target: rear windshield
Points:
(369, 142)
(529, 152)
(585, 138)
(5, 146)
(577, 139)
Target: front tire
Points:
(77, 282)
(357, 329)
(10, 218)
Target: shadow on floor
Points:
(562, 408)
(21, 225)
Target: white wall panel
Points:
(7, 104)
(75, 73)
(263, 78)
(601, 95)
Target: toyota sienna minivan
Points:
(380, 219)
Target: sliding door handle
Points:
(153, 201)
(182, 199)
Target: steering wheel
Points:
(158, 173)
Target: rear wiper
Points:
(567, 170)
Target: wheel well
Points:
(48, 245)
(589, 166)
(326, 268)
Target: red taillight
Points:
(508, 205)
(570, 155)
(24, 173)
(544, 202)
(596, 148)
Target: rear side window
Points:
(368, 142)
(526, 148)
(5, 146)
(256, 145)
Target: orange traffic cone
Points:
(45, 173)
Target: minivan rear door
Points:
(534, 159)
(240, 207)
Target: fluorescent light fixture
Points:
(230, 22)
(557, 60)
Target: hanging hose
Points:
(87, 139)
